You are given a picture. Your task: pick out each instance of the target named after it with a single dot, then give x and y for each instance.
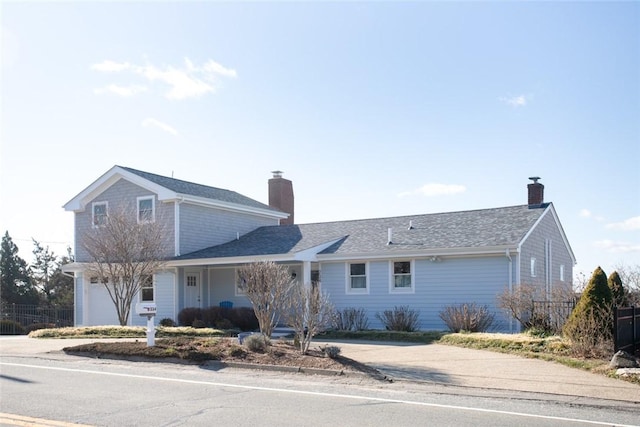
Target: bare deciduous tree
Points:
(267, 285)
(124, 253)
(630, 276)
(308, 313)
(533, 307)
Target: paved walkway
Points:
(434, 363)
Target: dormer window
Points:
(99, 212)
(146, 209)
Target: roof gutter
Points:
(448, 252)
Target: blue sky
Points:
(372, 109)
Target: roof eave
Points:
(233, 207)
(79, 202)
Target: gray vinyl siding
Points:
(201, 227)
(534, 246)
(223, 287)
(123, 195)
(450, 281)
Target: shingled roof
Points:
(199, 190)
(486, 228)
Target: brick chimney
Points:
(536, 193)
(281, 195)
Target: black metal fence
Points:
(627, 329)
(16, 319)
(552, 315)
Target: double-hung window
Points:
(99, 211)
(146, 209)
(357, 280)
(146, 289)
(402, 276)
(533, 267)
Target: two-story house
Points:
(426, 262)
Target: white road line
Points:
(315, 393)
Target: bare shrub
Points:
(351, 319)
(188, 315)
(309, 312)
(401, 318)
(467, 317)
(534, 309)
(590, 334)
(257, 343)
(331, 351)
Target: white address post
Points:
(148, 310)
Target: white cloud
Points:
(617, 247)
(111, 66)
(585, 213)
(183, 83)
(187, 81)
(214, 67)
(160, 125)
(516, 101)
(434, 189)
(626, 225)
(125, 91)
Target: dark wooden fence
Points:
(627, 329)
(21, 318)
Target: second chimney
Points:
(281, 195)
(536, 193)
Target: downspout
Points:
(510, 282)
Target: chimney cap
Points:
(534, 179)
(277, 174)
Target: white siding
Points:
(78, 297)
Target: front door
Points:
(192, 290)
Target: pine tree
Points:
(592, 314)
(15, 279)
(618, 292)
(42, 269)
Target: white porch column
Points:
(306, 273)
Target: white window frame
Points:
(392, 283)
(349, 289)
(533, 267)
(236, 285)
(153, 209)
(93, 213)
(562, 272)
(143, 282)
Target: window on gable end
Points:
(146, 209)
(562, 272)
(533, 267)
(99, 212)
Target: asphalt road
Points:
(63, 390)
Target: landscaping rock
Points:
(623, 359)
